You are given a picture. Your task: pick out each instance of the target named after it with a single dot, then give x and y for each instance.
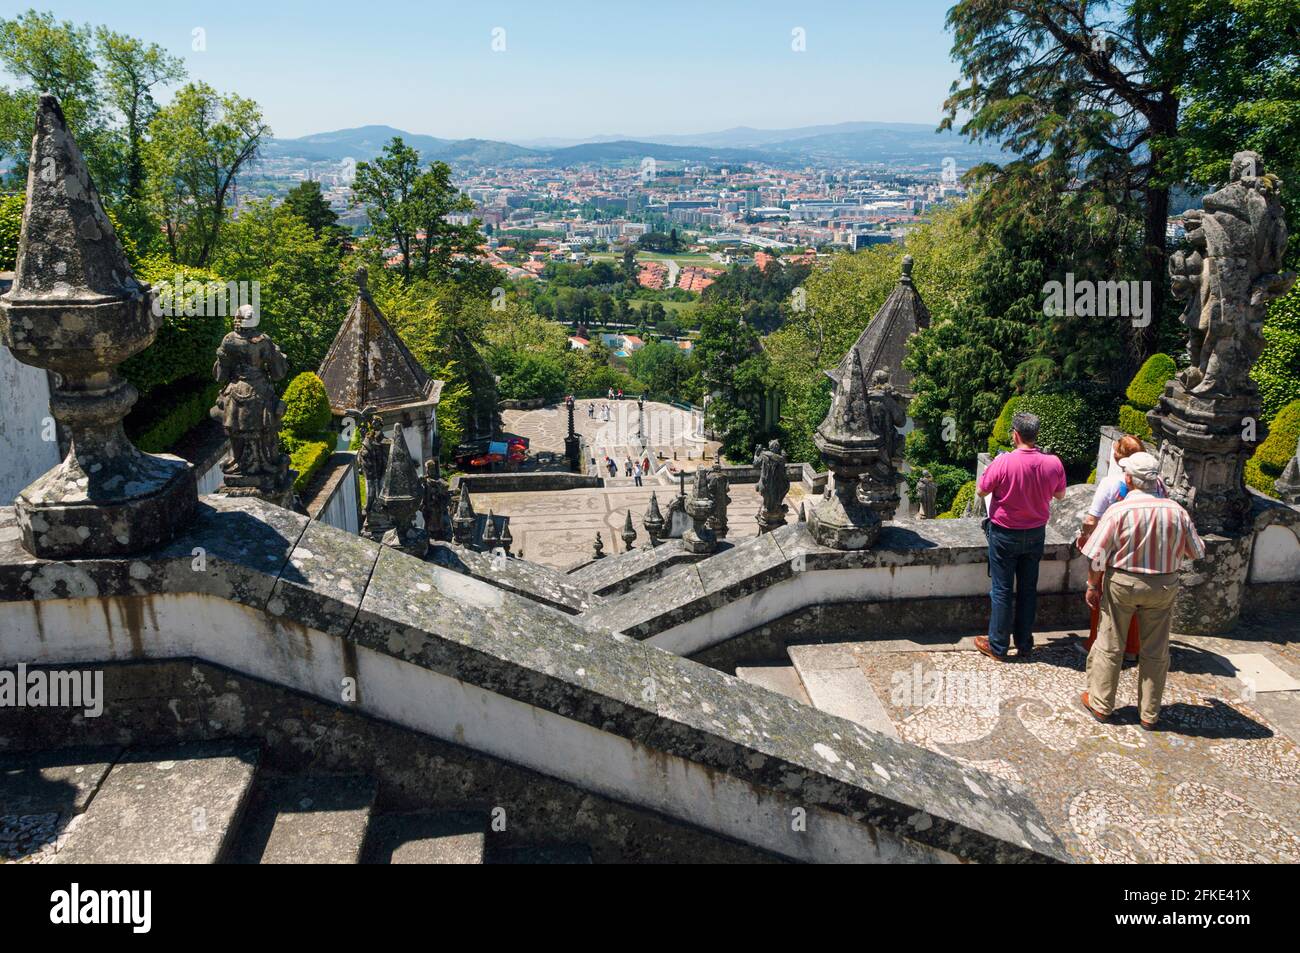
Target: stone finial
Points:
(1288, 484)
(803, 513)
(400, 497)
(598, 547)
(629, 533)
(361, 277)
(462, 524)
(906, 276)
(507, 538)
(653, 521)
(490, 538)
(856, 439)
(700, 538)
(76, 309)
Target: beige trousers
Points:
(1151, 599)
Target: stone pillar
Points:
(718, 490)
(1207, 421)
(75, 308)
(699, 539)
(572, 443)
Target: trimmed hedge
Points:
(11, 223)
(1277, 372)
(161, 433)
(307, 458)
(1134, 421)
(307, 408)
(1258, 479)
(1279, 447)
(1149, 382)
(1069, 420)
(960, 501)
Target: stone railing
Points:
(264, 592)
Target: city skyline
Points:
(521, 73)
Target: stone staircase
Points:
(827, 677)
(210, 802)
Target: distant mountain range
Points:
(904, 143)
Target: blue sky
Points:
(569, 67)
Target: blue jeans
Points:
(1013, 567)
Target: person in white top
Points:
(1110, 489)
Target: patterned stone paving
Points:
(556, 528)
(663, 429)
(1219, 783)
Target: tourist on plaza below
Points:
(1020, 487)
(1134, 555)
(1111, 488)
(636, 473)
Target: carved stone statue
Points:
(248, 366)
(372, 455)
(927, 492)
(773, 485)
(1228, 278)
(1206, 422)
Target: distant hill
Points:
(909, 143)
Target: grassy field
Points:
(685, 260)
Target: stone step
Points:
(306, 820)
(836, 684)
(177, 804)
(435, 837)
(782, 679)
(41, 791)
(555, 854)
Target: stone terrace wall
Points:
(265, 593)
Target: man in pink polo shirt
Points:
(1019, 487)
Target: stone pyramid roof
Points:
(368, 365)
(883, 342)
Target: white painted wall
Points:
(825, 586)
(343, 509)
(1276, 557)
(209, 480)
(257, 644)
(24, 406)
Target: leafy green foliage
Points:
(158, 433)
(734, 371)
(186, 344)
(198, 143)
(303, 293)
(307, 407)
(1277, 372)
(11, 225)
(1069, 422)
(1149, 382)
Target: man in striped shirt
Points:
(1135, 552)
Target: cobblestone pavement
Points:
(557, 528)
(1220, 782)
